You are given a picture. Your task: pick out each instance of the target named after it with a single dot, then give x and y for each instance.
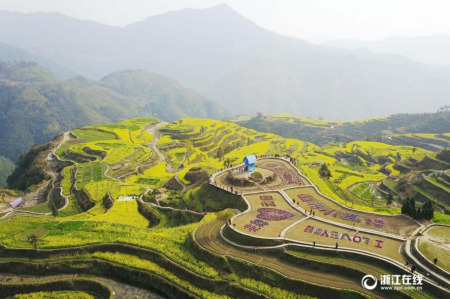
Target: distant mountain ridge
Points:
(10, 53)
(433, 49)
(35, 105)
(233, 61)
(383, 129)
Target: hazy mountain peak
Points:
(24, 73)
(232, 60)
(79, 81)
(201, 19)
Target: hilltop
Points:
(35, 105)
(15, 54)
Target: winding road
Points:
(208, 237)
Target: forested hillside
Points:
(35, 105)
(6, 168)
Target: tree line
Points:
(425, 211)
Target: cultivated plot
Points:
(268, 216)
(309, 199)
(322, 233)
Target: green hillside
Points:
(6, 168)
(15, 73)
(163, 97)
(34, 105)
(11, 53)
(424, 177)
(386, 129)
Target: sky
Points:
(313, 20)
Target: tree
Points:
(54, 210)
(33, 240)
(423, 212)
(419, 213)
(427, 211)
(413, 210)
(406, 207)
(444, 108)
(227, 162)
(324, 172)
(389, 199)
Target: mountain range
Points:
(236, 63)
(433, 49)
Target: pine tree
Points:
(427, 211)
(406, 207)
(413, 208)
(419, 213)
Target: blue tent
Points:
(16, 202)
(250, 162)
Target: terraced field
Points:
(435, 245)
(143, 209)
(433, 142)
(276, 215)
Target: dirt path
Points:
(34, 197)
(208, 237)
(166, 208)
(153, 146)
(180, 182)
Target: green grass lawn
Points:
(39, 208)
